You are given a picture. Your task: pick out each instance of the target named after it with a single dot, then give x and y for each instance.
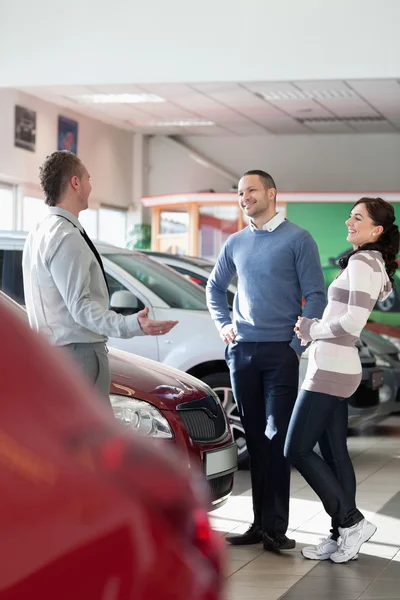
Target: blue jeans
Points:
(264, 378)
(323, 419)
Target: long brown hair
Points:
(388, 243)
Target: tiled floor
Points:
(255, 574)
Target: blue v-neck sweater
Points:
(276, 270)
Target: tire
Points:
(221, 384)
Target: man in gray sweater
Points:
(278, 265)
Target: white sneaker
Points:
(352, 538)
(323, 551)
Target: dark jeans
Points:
(264, 378)
(323, 418)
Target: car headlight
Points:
(381, 362)
(140, 416)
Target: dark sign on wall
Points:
(25, 128)
(67, 134)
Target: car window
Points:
(172, 288)
(11, 282)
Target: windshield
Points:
(172, 288)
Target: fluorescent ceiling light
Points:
(175, 123)
(119, 98)
(308, 95)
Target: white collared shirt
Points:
(65, 292)
(272, 224)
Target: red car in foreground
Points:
(172, 407)
(87, 509)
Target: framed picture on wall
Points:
(67, 134)
(25, 128)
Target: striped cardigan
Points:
(334, 365)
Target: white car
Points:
(135, 281)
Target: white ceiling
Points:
(246, 109)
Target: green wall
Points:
(325, 222)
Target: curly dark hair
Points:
(56, 172)
(388, 243)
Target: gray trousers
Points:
(92, 359)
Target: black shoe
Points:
(253, 535)
(277, 542)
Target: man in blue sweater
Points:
(277, 264)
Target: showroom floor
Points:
(255, 574)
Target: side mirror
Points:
(125, 302)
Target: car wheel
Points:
(221, 384)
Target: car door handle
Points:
(167, 341)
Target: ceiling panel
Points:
(119, 111)
(159, 130)
(349, 107)
(321, 86)
(115, 89)
(209, 131)
(61, 90)
(329, 127)
(205, 106)
(245, 128)
(286, 126)
(301, 108)
(166, 111)
(383, 95)
(239, 98)
(390, 111)
(238, 108)
(167, 90)
(374, 87)
(210, 88)
(372, 127)
(270, 87)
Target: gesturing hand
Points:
(151, 326)
(228, 333)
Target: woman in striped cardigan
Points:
(334, 373)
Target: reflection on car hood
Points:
(142, 378)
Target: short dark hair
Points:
(265, 177)
(56, 172)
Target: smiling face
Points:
(255, 199)
(361, 228)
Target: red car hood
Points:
(142, 378)
(146, 379)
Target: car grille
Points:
(221, 486)
(204, 419)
